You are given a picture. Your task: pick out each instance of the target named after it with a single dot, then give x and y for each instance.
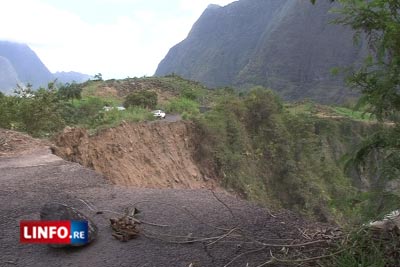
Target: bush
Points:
(107, 119)
(183, 105)
(82, 112)
(70, 91)
(8, 111)
(144, 99)
(37, 113)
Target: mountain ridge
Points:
(287, 45)
(27, 65)
(19, 64)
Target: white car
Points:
(159, 114)
(108, 108)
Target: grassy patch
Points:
(184, 106)
(364, 247)
(310, 108)
(112, 118)
(353, 114)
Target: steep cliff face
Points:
(288, 45)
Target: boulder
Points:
(61, 212)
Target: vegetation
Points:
(185, 106)
(144, 99)
(98, 77)
(70, 91)
(48, 110)
(378, 79)
(349, 112)
(274, 156)
(364, 247)
(37, 114)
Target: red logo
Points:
(45, 232)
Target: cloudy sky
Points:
(118, 38)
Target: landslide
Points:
(148, 154)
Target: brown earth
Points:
(14, 143)
(169, 216)
(151, 155)
(121, 88)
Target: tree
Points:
(144, 99)
(36, 112)
(98, 77)
(70, 91)
(261, 104)
(378, 80)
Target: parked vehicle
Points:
(159, 114)
(120, 108)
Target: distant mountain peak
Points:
(20, 64)
(71, 76)
(26, 65)
(213, 6)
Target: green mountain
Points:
(287, 45)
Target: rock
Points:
(60, 212)
(390, 222)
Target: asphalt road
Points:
(27, 182)
(169, 118)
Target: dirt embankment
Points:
(17, 144)
(151, 155)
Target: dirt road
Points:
(29, 181)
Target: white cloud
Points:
(128, 46)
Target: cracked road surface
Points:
(29, 181)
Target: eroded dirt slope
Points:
(152, 155)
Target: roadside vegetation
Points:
(46, 111)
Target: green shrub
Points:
(70, 91)
(183, 105)
(114, 117)
(37, 113)
(144, 99)
(7, 112)
(363, 247)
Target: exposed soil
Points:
(151, 155)
(31, 180)
(121, 88)
(14, 143)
